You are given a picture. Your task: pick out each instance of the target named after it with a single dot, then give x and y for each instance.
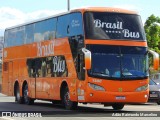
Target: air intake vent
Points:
(5, 66)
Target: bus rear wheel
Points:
(68, 104)
(18, 98)
(27, 99)
(118, 106)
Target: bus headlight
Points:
(142, 88)
(96, 87)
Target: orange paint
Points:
(117, 42)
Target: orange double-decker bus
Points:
(90, 55)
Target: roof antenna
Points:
(68, 5)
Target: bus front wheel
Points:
(68, 104)
(117, 106)
(27, 99)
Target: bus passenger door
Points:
(34, 70)
(31, 63)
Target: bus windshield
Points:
(120, 62)
(104, 25)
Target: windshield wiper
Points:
(133, 76)
(100, 74)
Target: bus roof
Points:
(106, 9)
(94, 9)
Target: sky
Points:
(13, 12)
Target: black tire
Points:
(54, 102)
(27, 99)
(158, 102)
(18, 98)
(68, 104)
(117, 106)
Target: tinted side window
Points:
(53, 66)
(14, 37)
(19, 36)
(9, 38)
(29, 33)
(62, 26)
(35, 32)
(75, 24)
(6, 39)
(45, 30)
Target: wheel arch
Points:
(63, 86)
(15, 85)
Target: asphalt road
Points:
(42, 109)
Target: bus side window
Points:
(62, 26)
(76, 36)
(29, 34)
(11, 37)
(76, 41)
(19, 36)
(48, 25)
(6, 39)
(76, 24)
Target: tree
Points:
(152, 29)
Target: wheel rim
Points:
(17, 94)
(67, 98)
(26, 94)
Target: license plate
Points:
(120, 97)
(153, 95)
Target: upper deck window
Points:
(69, 25)
(34, 32)
(103, 25)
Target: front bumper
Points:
(116, 97)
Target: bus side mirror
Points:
(155, 59)
(87, 58)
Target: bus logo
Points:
(59, 65)
(45, 50)
(120, 89)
